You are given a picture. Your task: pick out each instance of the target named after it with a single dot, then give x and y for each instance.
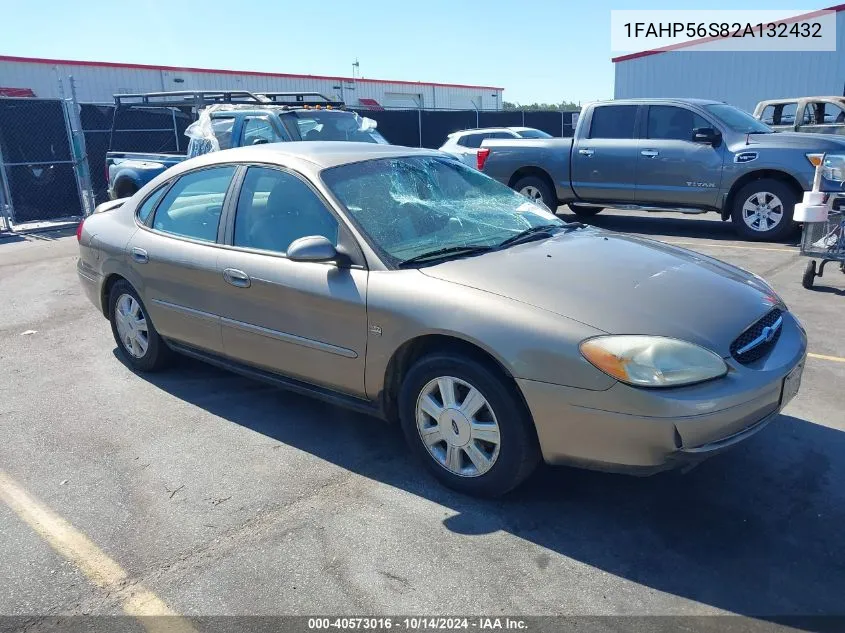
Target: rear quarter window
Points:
(150, 203)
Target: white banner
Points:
(722, 30)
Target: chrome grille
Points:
(740, 349)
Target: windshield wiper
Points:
(443, 253)
(543, 229)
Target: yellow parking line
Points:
(750, 248)
(835, 359)
(101, 570)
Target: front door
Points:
(673, 169)
(305, 320)
(175, 257)
(604, 160)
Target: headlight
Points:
(652, 361)
(834, 167)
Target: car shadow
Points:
(705, 226)
(758, 530)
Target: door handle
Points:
(585, 152)
(140, 255)
(649, 153)
(237, 278)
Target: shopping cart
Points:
(823, 216)
(824, 241)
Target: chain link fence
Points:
(53, 151)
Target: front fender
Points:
(528, 342)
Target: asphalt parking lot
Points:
(216, 495)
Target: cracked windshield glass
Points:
(412, 206)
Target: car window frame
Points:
(164, 188)
(346, 240)
(149, 226)
(645, 118)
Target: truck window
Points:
(779, 114)
(472, 140)
(222, 127)
(613, 121)
(822, 113)
(673, 123)
(258, 130)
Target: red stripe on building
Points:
(253, 73)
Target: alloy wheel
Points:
(762, 211)
(458, 426)
(532, 193)
(131, 325)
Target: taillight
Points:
(481, 157)
(79, 231)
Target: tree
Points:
(563, 106)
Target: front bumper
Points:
(642, 431)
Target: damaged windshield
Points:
(412, 206)
(317, 125)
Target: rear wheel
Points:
(134, 332)
(125, 189)
(467, 424)
(536, 189)
(762, 210)
(583, 210)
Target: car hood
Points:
(621, 285)
(800, 140)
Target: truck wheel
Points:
(125, 189)
(538, 190)
(584, 211)
(762, 210)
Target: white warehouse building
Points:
(741, 78)
(96, 82)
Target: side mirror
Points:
(707, 135)
(316, 248)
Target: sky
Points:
(537, 50)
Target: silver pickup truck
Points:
(687, 155)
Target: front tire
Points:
(136, 337)
(468, 425)
(537, 189)
(762, 210)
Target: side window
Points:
(193, 205)
(472, 140)
(275, 208)
(834, 113)
(671, 123)
(150, 203)
(258, 130)
(502, 135)
(613, 121)
(768, 115)
(787, 114)
(222, 127)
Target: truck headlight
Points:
(652, 361)
(833, 167)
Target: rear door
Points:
(305, 320)
(673, 170)
(174, 256)
(604, 159)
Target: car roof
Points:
(657, 101)
(320, 154)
